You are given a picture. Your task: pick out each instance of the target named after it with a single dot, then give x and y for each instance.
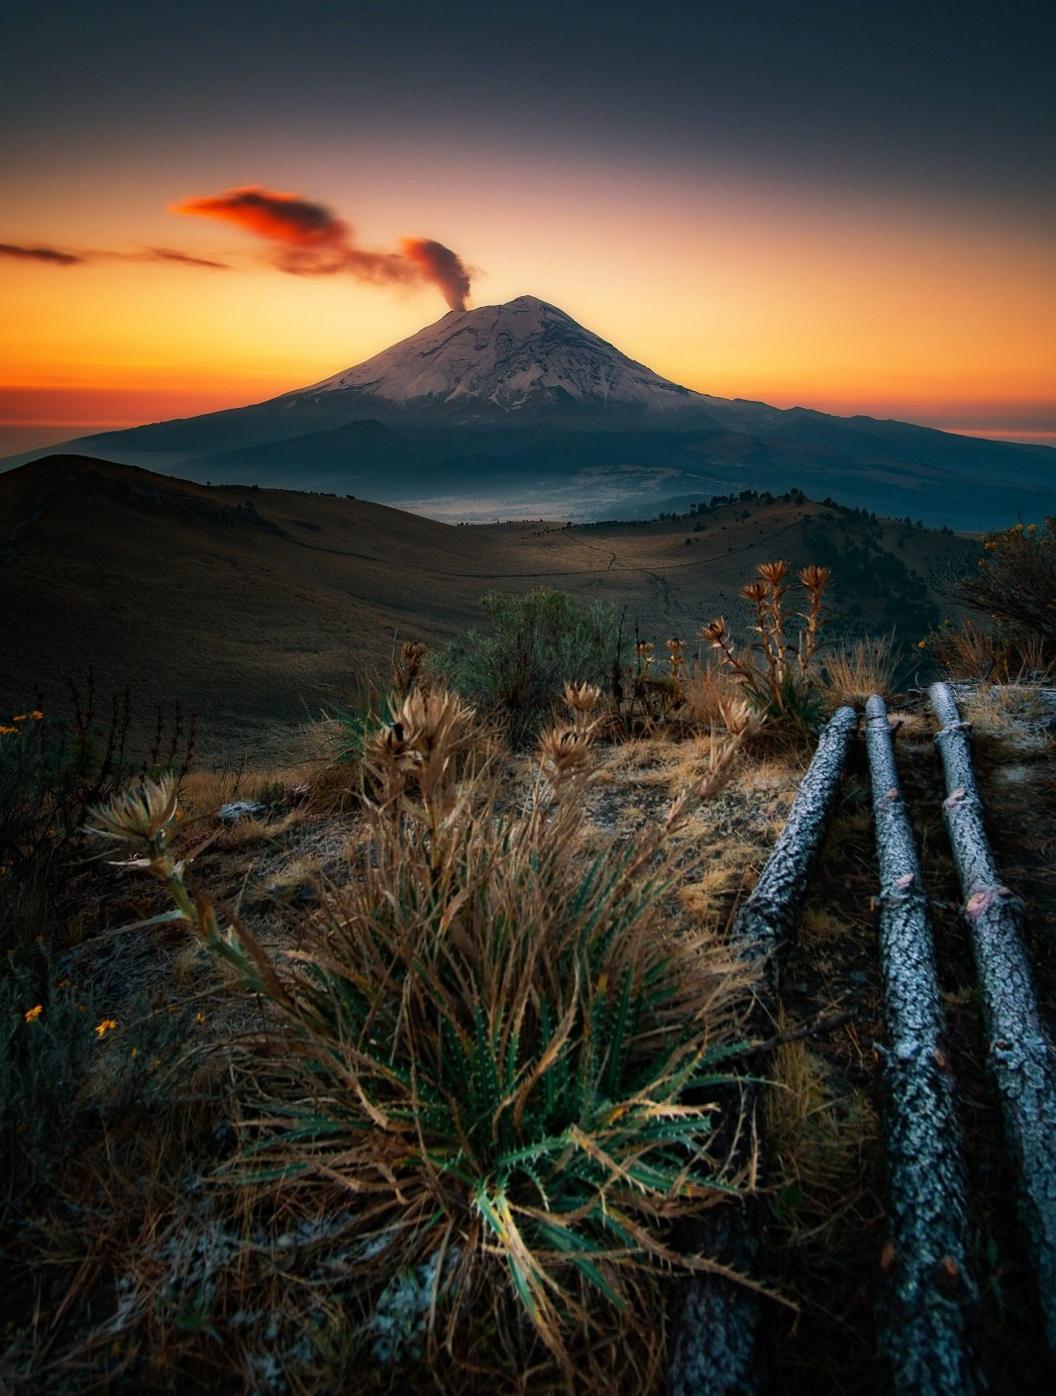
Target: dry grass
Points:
(707, 691)
(855, 671)
(819, 925)
(816, 1132)
(970, 651)
(1016, 716)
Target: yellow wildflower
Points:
(32, 1014)
(37, 715)
(922, 644)
(6, 731)
(107, 1025)
(134, 1053)
(19, 717)
(199, 1017)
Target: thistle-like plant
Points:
(779, 675)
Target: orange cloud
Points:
(315, 242)
(283, 217)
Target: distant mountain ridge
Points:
(516, 410)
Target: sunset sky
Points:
(844, 205)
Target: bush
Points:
(972, 650)
(489, 1038)
(535, 643)
(67, 1068)
(1015, 584)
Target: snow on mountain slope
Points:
(523, 354)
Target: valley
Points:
(258, 608)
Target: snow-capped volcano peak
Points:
(523, 354)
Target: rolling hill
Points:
(257, 607)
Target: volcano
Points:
(525, 357)
(517, 410)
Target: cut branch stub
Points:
(718, 1348)
(924, 1338)
(1020, 1052)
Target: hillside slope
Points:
(257, 607)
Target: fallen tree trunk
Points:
(766, 923)
(930, 1292)
(718, 1348)
(1020, 1053)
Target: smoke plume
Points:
(441, 266)
(313, 241)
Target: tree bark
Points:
(930, 1292)
(766, 923)
(1020, 1052)
(719, 1347)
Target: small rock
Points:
(240, 809)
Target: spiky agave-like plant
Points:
(491, 1035)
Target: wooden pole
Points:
(1020, 1052)
(930, 1292)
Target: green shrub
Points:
(535, 643)
(1015, 585)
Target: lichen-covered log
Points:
(929, 1292)
(719, 1348)
(1020, 1052)
(766, 923)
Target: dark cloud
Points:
(314, 241)
(172, 254)
(56, 258)
(51, 255)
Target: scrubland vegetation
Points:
(422, 1069)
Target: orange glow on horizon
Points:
(779, 294)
